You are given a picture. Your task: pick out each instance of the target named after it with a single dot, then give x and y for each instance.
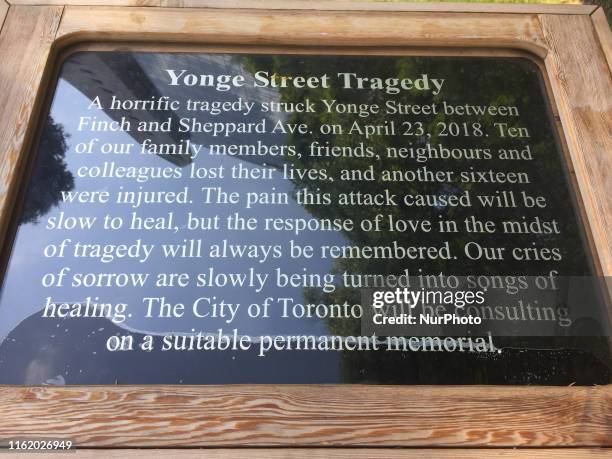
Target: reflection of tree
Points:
(476, 82)
(50, 176)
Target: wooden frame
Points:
(3, 10)
(578, 67)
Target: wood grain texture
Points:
(300, 415)
(325, 28)
(582, 84)
(329, 453)
(337, 5)
(25, 42)
(297, 50)
(602, 30)
(87, 2)
(3, 10)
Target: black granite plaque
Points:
(218, 218)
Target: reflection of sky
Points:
(23, 294)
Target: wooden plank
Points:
(87, 2)
(302, 415)
(25, 42)
(582, 85)
(334, 5)
(384, 5)
(602, 29)
(322, 28)
(329, 453)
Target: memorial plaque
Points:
(196, 218)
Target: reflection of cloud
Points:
(57, 380)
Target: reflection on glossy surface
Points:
(72, 351)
